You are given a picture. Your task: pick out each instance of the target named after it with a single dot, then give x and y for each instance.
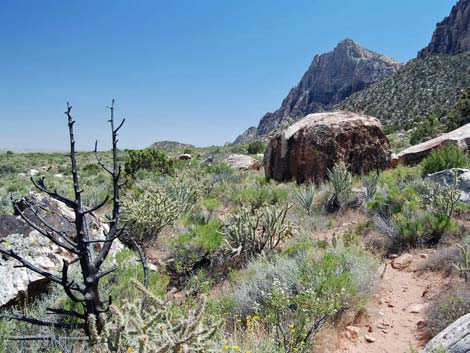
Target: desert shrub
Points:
(443, 259)
(256, 147)
(249, 233)
(463, 262)
(292, 296)
(446, 157)
(447, 308)
(258, 197)
(340, 182)
(150, 160)
(196, 247)
(305, 197)
(203, 211)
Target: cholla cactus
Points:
(148, 325)
(441, 199)
(146, 215)
(464, 265)
(249, 233)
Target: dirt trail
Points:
(393, 314)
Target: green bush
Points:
(256, 198)
(256, 147)
(197, 246)
(446, 157)
(150, 160)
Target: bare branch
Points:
(42, 323)
(143, 260)
(30, 266)
(52, 193)
(97, 207)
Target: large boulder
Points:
(242, 162)
(456, 176)
(415, 154)
(453, 339)
(16, 235)
(307, 149)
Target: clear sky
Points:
(195, 71)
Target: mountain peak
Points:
(452, 35)
(331, 78)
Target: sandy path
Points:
(391, 321)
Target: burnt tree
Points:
(88, 253)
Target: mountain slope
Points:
(452, 35)
(431, 83)
(421, 87)
(331, 78)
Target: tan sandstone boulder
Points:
(308, 148)
(415, 154)
(242, 162)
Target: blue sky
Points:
(195, 71)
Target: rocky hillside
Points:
(431, 83)
(421, 87)
(452, 35)
(169, 145)
(331, 78)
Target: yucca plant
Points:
(305, 196)
(340, 183)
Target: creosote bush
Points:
(256, 147)
(150, 160)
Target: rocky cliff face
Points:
(330, 79)
(452, 35)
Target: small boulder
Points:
(242, 162)
(307, 149)
(402, 262)
(185, 157)
(415, 154)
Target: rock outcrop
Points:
(248, 136)
(415, 154)
(307, 149)
(453, 339)
(330, 79)
(455, 176)
(242, 162)
(452, 35)
(16, 235)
